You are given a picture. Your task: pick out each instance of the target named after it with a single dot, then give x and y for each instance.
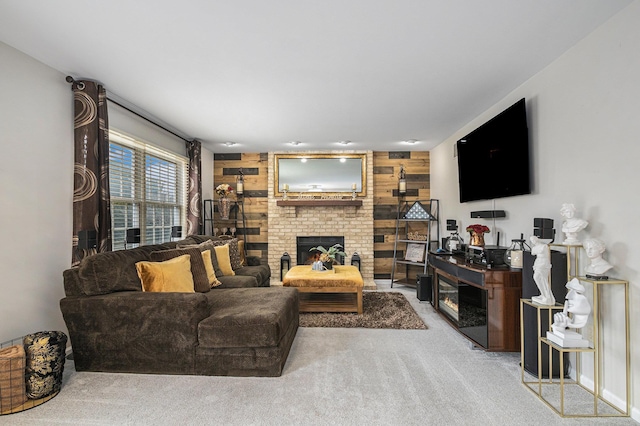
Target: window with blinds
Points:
(148, 188)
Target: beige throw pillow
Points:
(243, 257)
(222, 253)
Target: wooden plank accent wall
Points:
(386, 169)
(255, 168)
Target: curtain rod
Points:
(72, 81)
(147, 119)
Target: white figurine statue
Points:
(541, 270)
(575, 314)
(597, 266)
(571, 226)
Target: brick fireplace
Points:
(353, 223)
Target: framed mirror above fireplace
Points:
(320, 174)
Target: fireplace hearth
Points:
(304, 244)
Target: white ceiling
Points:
(263, 73)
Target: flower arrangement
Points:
(330, 254)
(224, 189)
(478, 229)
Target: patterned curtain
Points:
(194, 219)
(91, 210)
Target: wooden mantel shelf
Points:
(318, 203)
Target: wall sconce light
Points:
(240, 183)
(132, 237)
(355, 260)
(176, 232)
(285, 265)
(402, 181)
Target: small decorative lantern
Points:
(285, 265)
(240, 183)
(355, 260)
(513, 256)
(402, 181)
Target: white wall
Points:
(583, 122)
(36, 188)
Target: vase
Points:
(328, 265)
(477, 239)
(224, 207)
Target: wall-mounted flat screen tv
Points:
(493, 160)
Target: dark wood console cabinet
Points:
(481, 303)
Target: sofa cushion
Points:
(108, 272)
(200, 277)
(238, 281)
(248, 317)
(173, 275)
(261, 273)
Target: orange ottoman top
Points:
(341, 276)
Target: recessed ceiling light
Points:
(410, 141)
(344, 142)
(295, 143)
(229, 143)
(304, 160)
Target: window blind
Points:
(148, 188)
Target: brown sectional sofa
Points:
(236, 329)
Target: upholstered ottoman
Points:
(338, 290)
(249, 332)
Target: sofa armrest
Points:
(135, 331)
(253, 261)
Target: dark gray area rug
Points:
(380, 310)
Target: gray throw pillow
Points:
(234, 251)
(207, 245)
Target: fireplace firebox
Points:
(466, 306)
(304, 244)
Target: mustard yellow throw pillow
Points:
(224, 261)
(172, 275)
(243, 258)
(208, 266)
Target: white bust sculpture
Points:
(597, 265)
(571, 226)
(575, 314)
(576, 304)
(541, 269)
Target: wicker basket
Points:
(19, 365)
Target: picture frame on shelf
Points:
(415, 252)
